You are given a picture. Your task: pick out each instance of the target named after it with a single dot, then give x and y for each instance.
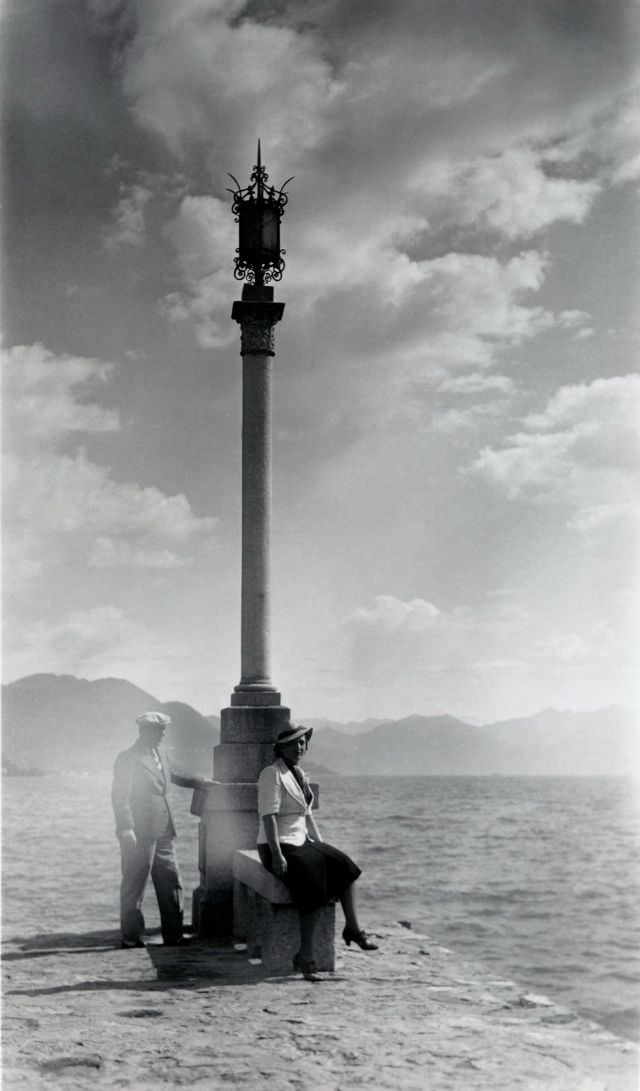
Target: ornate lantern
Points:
(258, 209)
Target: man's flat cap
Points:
(153, 718)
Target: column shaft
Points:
(256, 521)
(257, 315)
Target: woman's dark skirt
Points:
(317, 873)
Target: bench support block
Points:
(265, 919)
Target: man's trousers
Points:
(157, 858)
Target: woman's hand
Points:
(278, 862)
(279, 866)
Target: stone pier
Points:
(412, 1015)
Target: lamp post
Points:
(258, 209)
(249, 726)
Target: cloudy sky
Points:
(456, 388)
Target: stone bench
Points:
(265, 919)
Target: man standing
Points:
(145, 828)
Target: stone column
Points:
(257, 315)
(249, 726)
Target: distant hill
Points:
(424, 744)
(59, 722)
(552, 742)
(603, 742)
(62, 723)
(352, 727)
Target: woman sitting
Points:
(290, 846)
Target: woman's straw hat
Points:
(290, 734)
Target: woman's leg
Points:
(352, 932)
(348, 903)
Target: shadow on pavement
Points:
(194, 965)
(51, 943)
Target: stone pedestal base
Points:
(265, 919)
(229, 809)
(228, 822)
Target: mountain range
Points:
(62, 723)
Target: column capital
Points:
(257, 319)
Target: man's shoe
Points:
(129, 946)
(182, 941)
(306, 966)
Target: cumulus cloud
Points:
(582, 451)
(572, 319)
(473, 299)
(467, 310)
(458, 313)
(449, 421)
(392, 614)
(107, 553)
(476, 383)
(578, 322)
(197, 68)
(128, 226)
(60, 504)
(483, 294)
(41, 392)
(615, 135)
(94, 643)
(397, 638)
(508, 193)
(82, 498)
(575, 649)
(414, 643)
(203, 236)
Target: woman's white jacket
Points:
(279, 793)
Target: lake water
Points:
(534, 878)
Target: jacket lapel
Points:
(148, 760)
(290, 784)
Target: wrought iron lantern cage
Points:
(258, 210)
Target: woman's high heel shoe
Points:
(350, 936)
(307, 967)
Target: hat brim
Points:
(293, 736)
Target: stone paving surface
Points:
(79, 1013)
